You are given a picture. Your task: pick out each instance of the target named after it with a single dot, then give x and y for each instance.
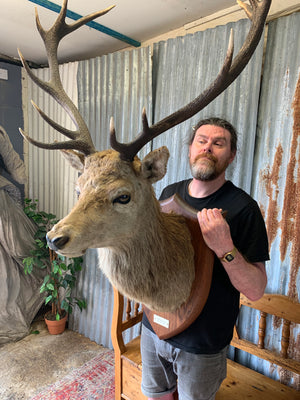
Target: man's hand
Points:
(242, 274)
(215, 231)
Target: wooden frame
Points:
(241, 382)
(123, 353)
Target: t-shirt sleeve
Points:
(178, 187)
(168, 192)
(251, 238)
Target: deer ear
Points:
(154, 165)
(75, 158)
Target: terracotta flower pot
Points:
(56, 327)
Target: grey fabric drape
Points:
(20, 297)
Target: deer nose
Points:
(57, 243)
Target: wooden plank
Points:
(118, 375)
(244, 383)
(116, 325)
(132, 321)
(131, 381)
(133, 353)
(268, 355)
(275, 304)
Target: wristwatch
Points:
(228, 257)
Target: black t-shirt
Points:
(213, 329)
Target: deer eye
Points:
(123, 199)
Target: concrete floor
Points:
(41, 359)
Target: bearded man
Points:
(194, 361)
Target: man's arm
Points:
(248, 278)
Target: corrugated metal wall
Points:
(276, 180)
(117, 85)
(51, 179)
(102, 82)
(183, 68)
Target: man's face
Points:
(210, 153)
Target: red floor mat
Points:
(93, 381)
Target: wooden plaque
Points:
(168, 324)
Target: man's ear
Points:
(75, 158)
(233, 154)
(154, 165)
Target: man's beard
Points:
(207, 170)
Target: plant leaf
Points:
(50, 286)
(48, 299)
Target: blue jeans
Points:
(165, 367)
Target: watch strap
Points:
(229, 256)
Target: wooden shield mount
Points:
(168, 324)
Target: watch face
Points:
(229, 257)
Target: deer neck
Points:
(156, 265)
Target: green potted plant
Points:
(61, 273)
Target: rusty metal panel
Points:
(117, 85)
(183, 68)
(276, 179)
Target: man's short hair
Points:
(222, 123)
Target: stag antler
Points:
(257, 12)
(80, 138)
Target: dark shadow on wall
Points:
(11, 113)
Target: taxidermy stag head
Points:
(146, 254)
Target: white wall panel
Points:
(51, 179)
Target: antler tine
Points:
(66, 132)
(86, 145)
(67, 145)
(81, 138)
(257, 12)
(84, 20)
(60, 28)
(129, 150)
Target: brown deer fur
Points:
(147, 255)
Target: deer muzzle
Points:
(57, 243)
